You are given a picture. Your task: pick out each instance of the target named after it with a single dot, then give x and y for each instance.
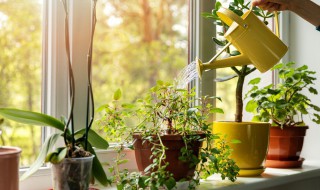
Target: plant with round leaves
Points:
(285, 103)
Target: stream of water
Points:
(186, 75)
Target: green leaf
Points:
(117, 94)
(238, 12)
(46, 147)
(255, 81)
(142, 181)
(119, 162)
(313, 90)
(251, 106)
(31, 118)
(120, 186)
(97, 169)
(234, 53)
(95, 140)
(278, 66)
(170, 183)
(218, 42)
(218, 5)
(235, 141)
(216, 110)
(303, 67)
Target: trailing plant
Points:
(238, 7)
(78, 143)
(167, 110)
(284, 103)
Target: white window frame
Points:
(55, 88)
(55, 72)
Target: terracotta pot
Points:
(174, 143)
(250, 154)
(285, 147)
(72, 174)
(9, 167)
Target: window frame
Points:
(55, 89)
(54, 85)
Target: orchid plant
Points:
(78, 143)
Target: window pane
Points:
(136, 44)
(20, 69)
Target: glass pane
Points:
(136, 44)
(20, 71)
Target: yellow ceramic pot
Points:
(250, 154)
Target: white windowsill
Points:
(305, 178)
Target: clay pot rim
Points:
(290, 127)
(9, 150)
(137, 135)
(242, 122)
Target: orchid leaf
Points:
(46, 147)
(31, 118)
(97, 169)
(95, 140)
(57, 156)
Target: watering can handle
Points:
(228, 17)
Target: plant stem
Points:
(90, 99)
(239, 90)
(163, 148)
(71, 80)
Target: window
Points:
(20, 69)
(136, 43)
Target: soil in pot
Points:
(285, 147)
(174, 143)
(72, 174)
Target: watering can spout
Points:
(232, 61)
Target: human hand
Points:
(273, 5)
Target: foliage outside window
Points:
(20, 71)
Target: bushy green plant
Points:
(168, 110)
(285, 103)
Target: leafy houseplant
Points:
(78, 144)
(166, 116)
(284, 105)
(238, 129)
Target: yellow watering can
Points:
(252, 38)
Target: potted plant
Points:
(9, 164)
(284, 104)
(169, 141)
(72, 163)
(250, 154)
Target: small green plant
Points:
(167, 110)
(284, 104)
(238, 7)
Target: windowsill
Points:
(303, 178)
